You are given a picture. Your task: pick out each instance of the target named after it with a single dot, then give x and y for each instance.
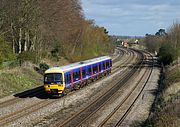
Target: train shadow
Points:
(37, 92)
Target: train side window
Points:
(68, 79)
(83, 73)
(107, 64)
(89, 70)
(104, 67)
(95, 69)
(76, 75)
(99, 67)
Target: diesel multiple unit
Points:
(61, 80)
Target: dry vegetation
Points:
(167, 45)
(166, 110)
(47, 29)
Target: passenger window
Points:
(95, 69)
(83, 73)
(68, 78)
(76, 76)
(104, 67)
(107, 64)
(99, 66)
(89, 70)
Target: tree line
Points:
(38, 29)
(165, 44)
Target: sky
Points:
(132, 17)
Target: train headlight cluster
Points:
(60, 85)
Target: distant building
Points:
(136, 41)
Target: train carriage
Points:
(61, 80)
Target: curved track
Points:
(82, 116)
(144, 78)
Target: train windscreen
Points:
(53, 78)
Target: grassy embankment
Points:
(166, 110)
(18, 79)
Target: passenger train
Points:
(61, 80)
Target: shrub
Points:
(55, 53)
(6, 53)
(28, 56)
(166, 54)
(43, 67)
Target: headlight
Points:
(46, 86)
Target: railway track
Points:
(26, 110)
(93, 107)
(145, 78)
(121, 120)
(21, 97)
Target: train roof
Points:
(77, 65)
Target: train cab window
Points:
(57, 77)
(53, 78)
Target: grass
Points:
(173, 76)
(18, 79)
(167, 105)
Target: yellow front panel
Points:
(50, 87)
(59, 87)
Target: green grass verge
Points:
(18, 79)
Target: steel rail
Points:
(147, 71)
(131, 106)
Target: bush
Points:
(167, 54)
(55, 53)
(11, 64)
(6, 53)
(43, 67)
(28, 56)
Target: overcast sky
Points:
(132, 17)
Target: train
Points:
(64, 79)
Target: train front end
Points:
(54, 82)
